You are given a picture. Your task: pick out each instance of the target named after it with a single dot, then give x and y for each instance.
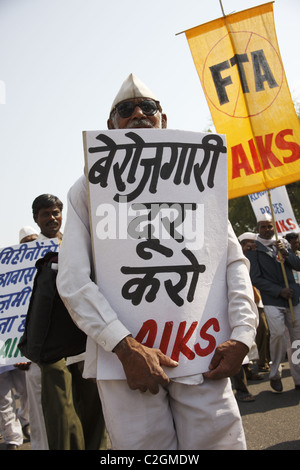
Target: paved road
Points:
(271, 422)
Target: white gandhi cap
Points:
(132, 87)
(26, 231)
(247, 236)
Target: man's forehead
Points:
(51, 208)
(265, 223)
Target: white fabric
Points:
(73, 359)
(206, 417)
(278, 319)
(93, 313)
(38, 438)
(12, 419)
(265, 241)
(131, 88)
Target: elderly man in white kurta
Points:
(147, 409)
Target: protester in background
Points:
(262, 339)
(267, 275)
(27, 234)
(293, 239)
(71, 406)
(33, 376)
(38, 436)
(14, 420)
(240, 384)
(240, 380)
(138, 420)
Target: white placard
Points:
(17, 272)
(158, 208)
(284, 215)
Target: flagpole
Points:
(265, 179)
(280, 257)
(273, 219)
(220, 1)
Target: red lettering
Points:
(149, 328)
(285, 225)
(291, 224)
(267, 156)
(181, 340)
(255, 157)
(282, 225)
(166, 337)
(206, 336)
(240, 162)
(278, 227)
(282, 144)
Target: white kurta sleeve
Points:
(242, 310)
(82, 297)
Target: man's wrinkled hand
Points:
(227, 360)
(143, 365)
(280, 247)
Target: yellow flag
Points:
(240, 68)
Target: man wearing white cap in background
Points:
(247, 241)
(27, 234)
(198, 412)
(293, 239)
(267, 276)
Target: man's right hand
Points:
(143, 365)
(287, 293)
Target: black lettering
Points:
(221, 83)
(238, 60)
(149, 285)
(262, 71)
(182, 164)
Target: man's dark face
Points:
(137, 120)
(266, 229)
(29, 238)
(248, 245)
(49, 220)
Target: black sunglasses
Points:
(149, 108)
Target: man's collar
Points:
(261, 246)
